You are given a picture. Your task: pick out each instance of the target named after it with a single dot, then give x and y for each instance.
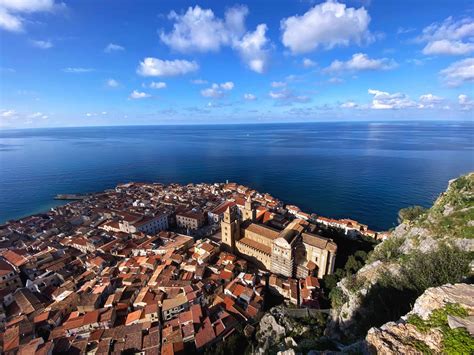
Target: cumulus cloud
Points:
(361, 62)
(157, 67)
(112, 47)
(252, 49)
(138, 95)
(465, 102)
(326, 25)
(42, 44)
(112, 83)
(13, 12)
(77, 70)
(450, 37)
(382, 100)
(459, 72)
(287, 97)
(445, 46)
(250, 97)
(308, 63)
(429, 101)
(199, 30)
(217, 91)
(157, 85)
(8, 113)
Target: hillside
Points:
(429, 248)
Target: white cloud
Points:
(199, 81)
(349, 104)
(12, 12)
(459, 72)
(250, 97)
(287, 96)
(112, 83)
(278, 84)
(7, 113)
(383, 100)
(38, 115)
(77, 70)
(157, 67)
(450, 37)
(138, 95)
(216, 91)
(361, 62)
(42, 44)
(112, 47)
(157, 85)
(429, 101)
(252, 49)
(326, 25)
(465, 102)
(445, 46)
(199, 30)
(308, 63)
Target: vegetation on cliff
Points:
(431, 247)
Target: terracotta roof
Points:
(205, 335)
(263, 231)
(319, 242)
(256, 245)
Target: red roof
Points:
(205, 335)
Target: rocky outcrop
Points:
(449, 221)
(402, 337)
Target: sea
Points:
(366, 171)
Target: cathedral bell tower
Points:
(230, 229)
(249, 212)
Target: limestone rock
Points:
(404, 338)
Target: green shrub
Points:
(337, 297)
(455, 341)
(409, 214)
(388, 250)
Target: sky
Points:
(104, 62)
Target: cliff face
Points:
(384, 288)
(442, 321)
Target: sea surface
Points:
(364, 171)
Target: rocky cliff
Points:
(431, 248)
(442, 321)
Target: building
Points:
(190, 220)
(146, 224)
(9, 278)
(173, 306)
(289, 252)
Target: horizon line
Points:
(250, 123)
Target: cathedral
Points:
(291, 252)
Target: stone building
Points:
(289, 252)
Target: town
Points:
(158, 269)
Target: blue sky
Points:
(86, 63)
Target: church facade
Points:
(290, 252)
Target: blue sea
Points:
(365, 171)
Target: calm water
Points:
(366, 171)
